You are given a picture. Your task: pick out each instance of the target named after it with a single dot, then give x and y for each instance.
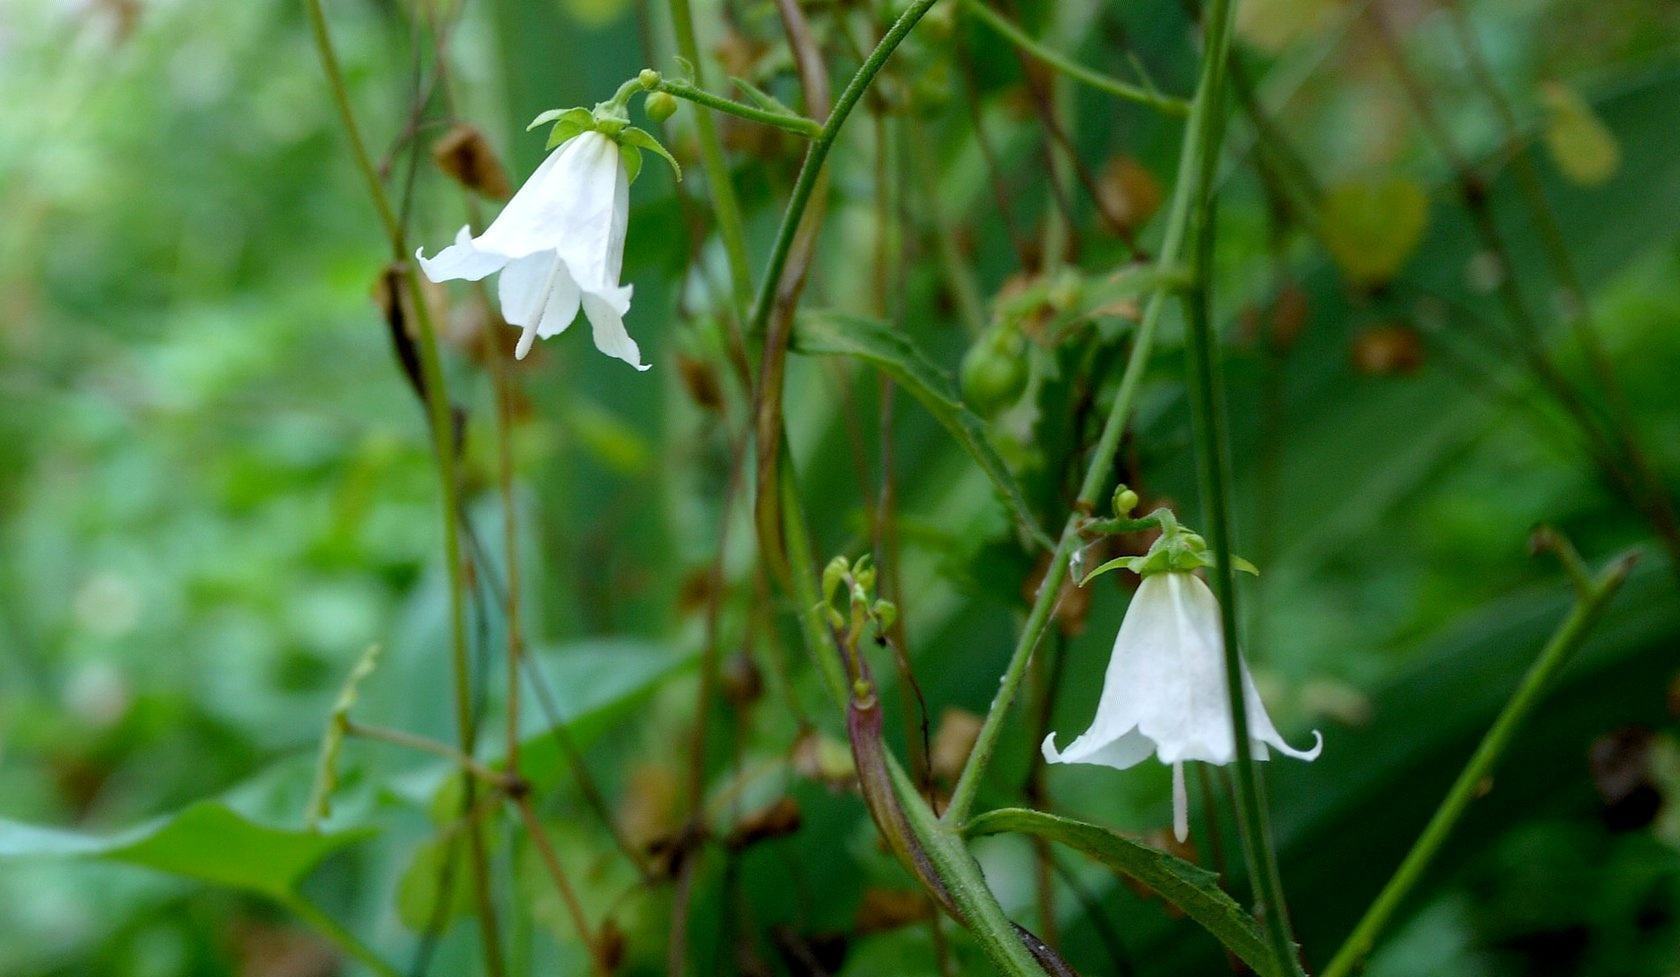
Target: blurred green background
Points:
(216, 489)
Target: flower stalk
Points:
(799, 125)
(1590, 602)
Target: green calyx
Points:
(1178, 550)
(611, 119)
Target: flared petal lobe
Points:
(1164, 691)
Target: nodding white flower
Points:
(559, 244)
(1165, 691)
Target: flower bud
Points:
(1125, 500)
(660, 106)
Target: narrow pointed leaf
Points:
(1191, 888)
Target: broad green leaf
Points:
(1194, 890)
(839, 334)
(1583, 148)
(208, 841)
(1372, 226)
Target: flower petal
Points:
(524, 287)
(568, 204)
(562, 305)
(607, 323)
(462, 260)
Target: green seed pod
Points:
(993, 374)
(660, 106)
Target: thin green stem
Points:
(1208, 422)
(726, 206)
(1073, 69)
(799, 125)
(1556, 654)
(347, 115)
(1198, 142)
(442, 431)
(811, 169)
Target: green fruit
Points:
(993, 374)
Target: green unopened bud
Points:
(865, 577)
(1125, 500)
(886, 612)
(832, 575)
(660, 106)
(648, 79)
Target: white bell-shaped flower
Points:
(1165, 693)
(559, 244)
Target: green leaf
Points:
(1192, 889)
(642, 139)
(208, 841)
(832, 333)
(1372, 226)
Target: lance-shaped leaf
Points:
(832, 333)
(1194, 890)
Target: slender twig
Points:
(1578, 311)
(562, 882)
(1078, 72)
(1556, 654)
(778, 293)
(414, 741)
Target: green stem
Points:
(1208, 421)
(1073, 69)
(796, 124)
(1198, 143)
(811, 169)
(442, 431)
(964, 882)
(347, 116)
(1562, 646)
(726, 206)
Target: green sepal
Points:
(633, 137)
(632, 162)
(579, 113)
